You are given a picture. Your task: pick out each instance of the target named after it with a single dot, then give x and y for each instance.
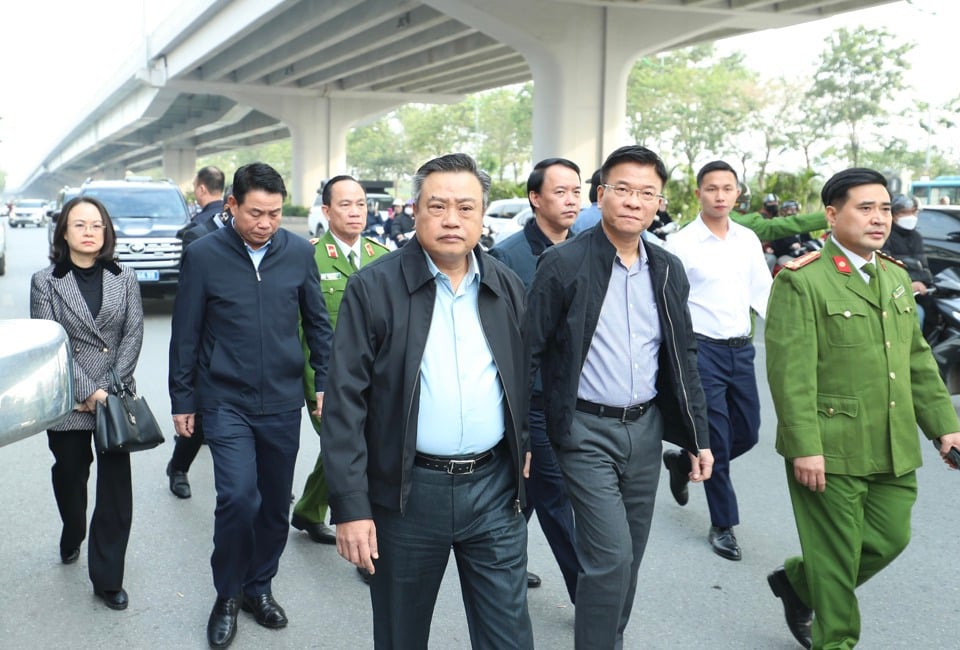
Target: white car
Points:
(28, 211)
(498, 218)
(317, 223)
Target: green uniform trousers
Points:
(848, 533)
(312, 505)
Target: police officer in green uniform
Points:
(339, 253)
(851, 378)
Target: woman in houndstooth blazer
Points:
(98, 304)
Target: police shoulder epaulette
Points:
(375, 242)
(893, 259)
(802, 261)
(314, 240)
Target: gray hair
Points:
(451, 162)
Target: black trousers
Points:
(186, 449)
(113, 510)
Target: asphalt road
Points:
(688, 597)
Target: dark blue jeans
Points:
(253, 462)
(473, 514)
(733, 413)
(547, 494)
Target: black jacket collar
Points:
(416, 273)
(61, 268)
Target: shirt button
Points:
(830, 411)
(847, 314)
(887, 344)
(883, 313)
(893, 375)
(893, 404)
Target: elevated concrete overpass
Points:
(226, 74)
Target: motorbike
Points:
(943, 326)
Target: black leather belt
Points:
(735, 342)
(624, 414)
(454, 464)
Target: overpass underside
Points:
(228, 74)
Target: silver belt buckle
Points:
(468, 466)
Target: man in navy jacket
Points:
(236, 359)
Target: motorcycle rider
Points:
(906, 244)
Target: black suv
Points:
(940, 227)
(147, 215)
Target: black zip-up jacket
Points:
(907, 246)
(563, 307)
(235, 339)
(369, 433)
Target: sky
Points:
(59, 57)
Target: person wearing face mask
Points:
(906, 244)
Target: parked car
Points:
(940, 227)
(28, 212)
(36, 380)
(147, 215)
(499, 216)
(507, 227)
(54, 208)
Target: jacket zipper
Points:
(403, 470)
(506, 395)
(676, 358)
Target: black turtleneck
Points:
(90, 282)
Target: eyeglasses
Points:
(622, 192)
(81, 227)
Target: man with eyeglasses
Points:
(729, 279)
(608, 329)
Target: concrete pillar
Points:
(580, 58)
(318, 129)
(180, 166)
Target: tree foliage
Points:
(858, 73)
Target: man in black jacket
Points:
(236, 358)
(553, 189)
(608, 329)
(423, 436)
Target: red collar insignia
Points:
(841, 263)
(332, 251)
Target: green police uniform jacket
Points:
(335, 270)
(851, 377)
(778, 227)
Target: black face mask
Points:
(772, 210)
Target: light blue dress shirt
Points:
(461, 397)
(621, 364)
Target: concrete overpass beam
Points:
(580, 58)
(180, 165)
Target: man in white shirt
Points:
(728, 279)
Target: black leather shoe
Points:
(179, 484)
(678, 478)
(799, 616)
(265, 610)
(222, 625)
(112, 599)
(320, 533)
(724, 543)
(70, 556)
(533, 580)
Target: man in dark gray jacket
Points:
(236, 358)
(608, 328)
(423, 436)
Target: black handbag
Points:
(125, 422)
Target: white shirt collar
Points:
(346, 248)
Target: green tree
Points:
(690, 101)
(858, 72)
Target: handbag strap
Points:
(119, 388)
